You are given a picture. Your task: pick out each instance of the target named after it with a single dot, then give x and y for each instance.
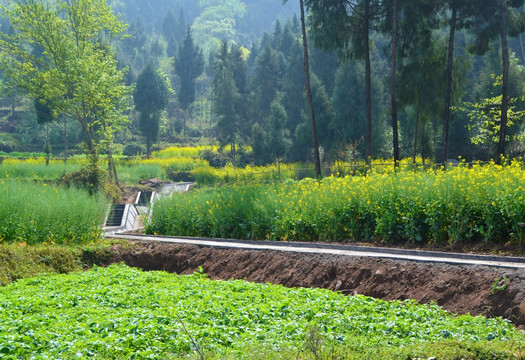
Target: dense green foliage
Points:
(484, 203)
(41, 213)
(151, 98)
(94, 314)
(21, 261)
(55, 53)
(230, 103)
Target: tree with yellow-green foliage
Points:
(76, 74)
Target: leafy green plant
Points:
(94, 314)
(500, 285)
(200, 272)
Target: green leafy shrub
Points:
(22, 261)
(133, 149)
(90, 178)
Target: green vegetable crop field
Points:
(124, 313)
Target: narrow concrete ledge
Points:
(133, 214)
(351, 251)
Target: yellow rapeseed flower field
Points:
(465, 203)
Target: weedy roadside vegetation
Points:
(500, 285)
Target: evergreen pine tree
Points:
(44, 116)
(276, 35)
(171, 49)
(288, 39)
(189, 65)
(293, 88)
(180, 30)
(324, 114)
(266, 83)
(151, 97)
(169, 25)
(278, 136)
(225, 97)
(239, 70)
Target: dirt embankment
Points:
(458, 289)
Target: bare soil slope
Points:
(458, 289)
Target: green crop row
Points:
(41, 213)
(483, 203)
(95, 314)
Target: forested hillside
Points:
(231, 73)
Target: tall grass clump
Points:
(481, 203)
(35, 214)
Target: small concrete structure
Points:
(168, 189)
(128, 222)
(133, 214)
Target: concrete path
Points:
(327, 249)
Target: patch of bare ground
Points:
(459, 289)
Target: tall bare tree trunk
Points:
(48, 146)
(65, 140)
(148, 146)
(522, 49)
(393, 98)
(309, 94)
(505, 91)
(89, 139)
(416, 133)
(448, 93)
(112, 167)
(368, 140)
(184, 123)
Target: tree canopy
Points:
(77, 74)
(151, 97)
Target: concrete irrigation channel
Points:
(128, 217)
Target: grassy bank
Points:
(482, 203)
(21, 261)
(94, 314)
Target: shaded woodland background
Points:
(234, 75)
